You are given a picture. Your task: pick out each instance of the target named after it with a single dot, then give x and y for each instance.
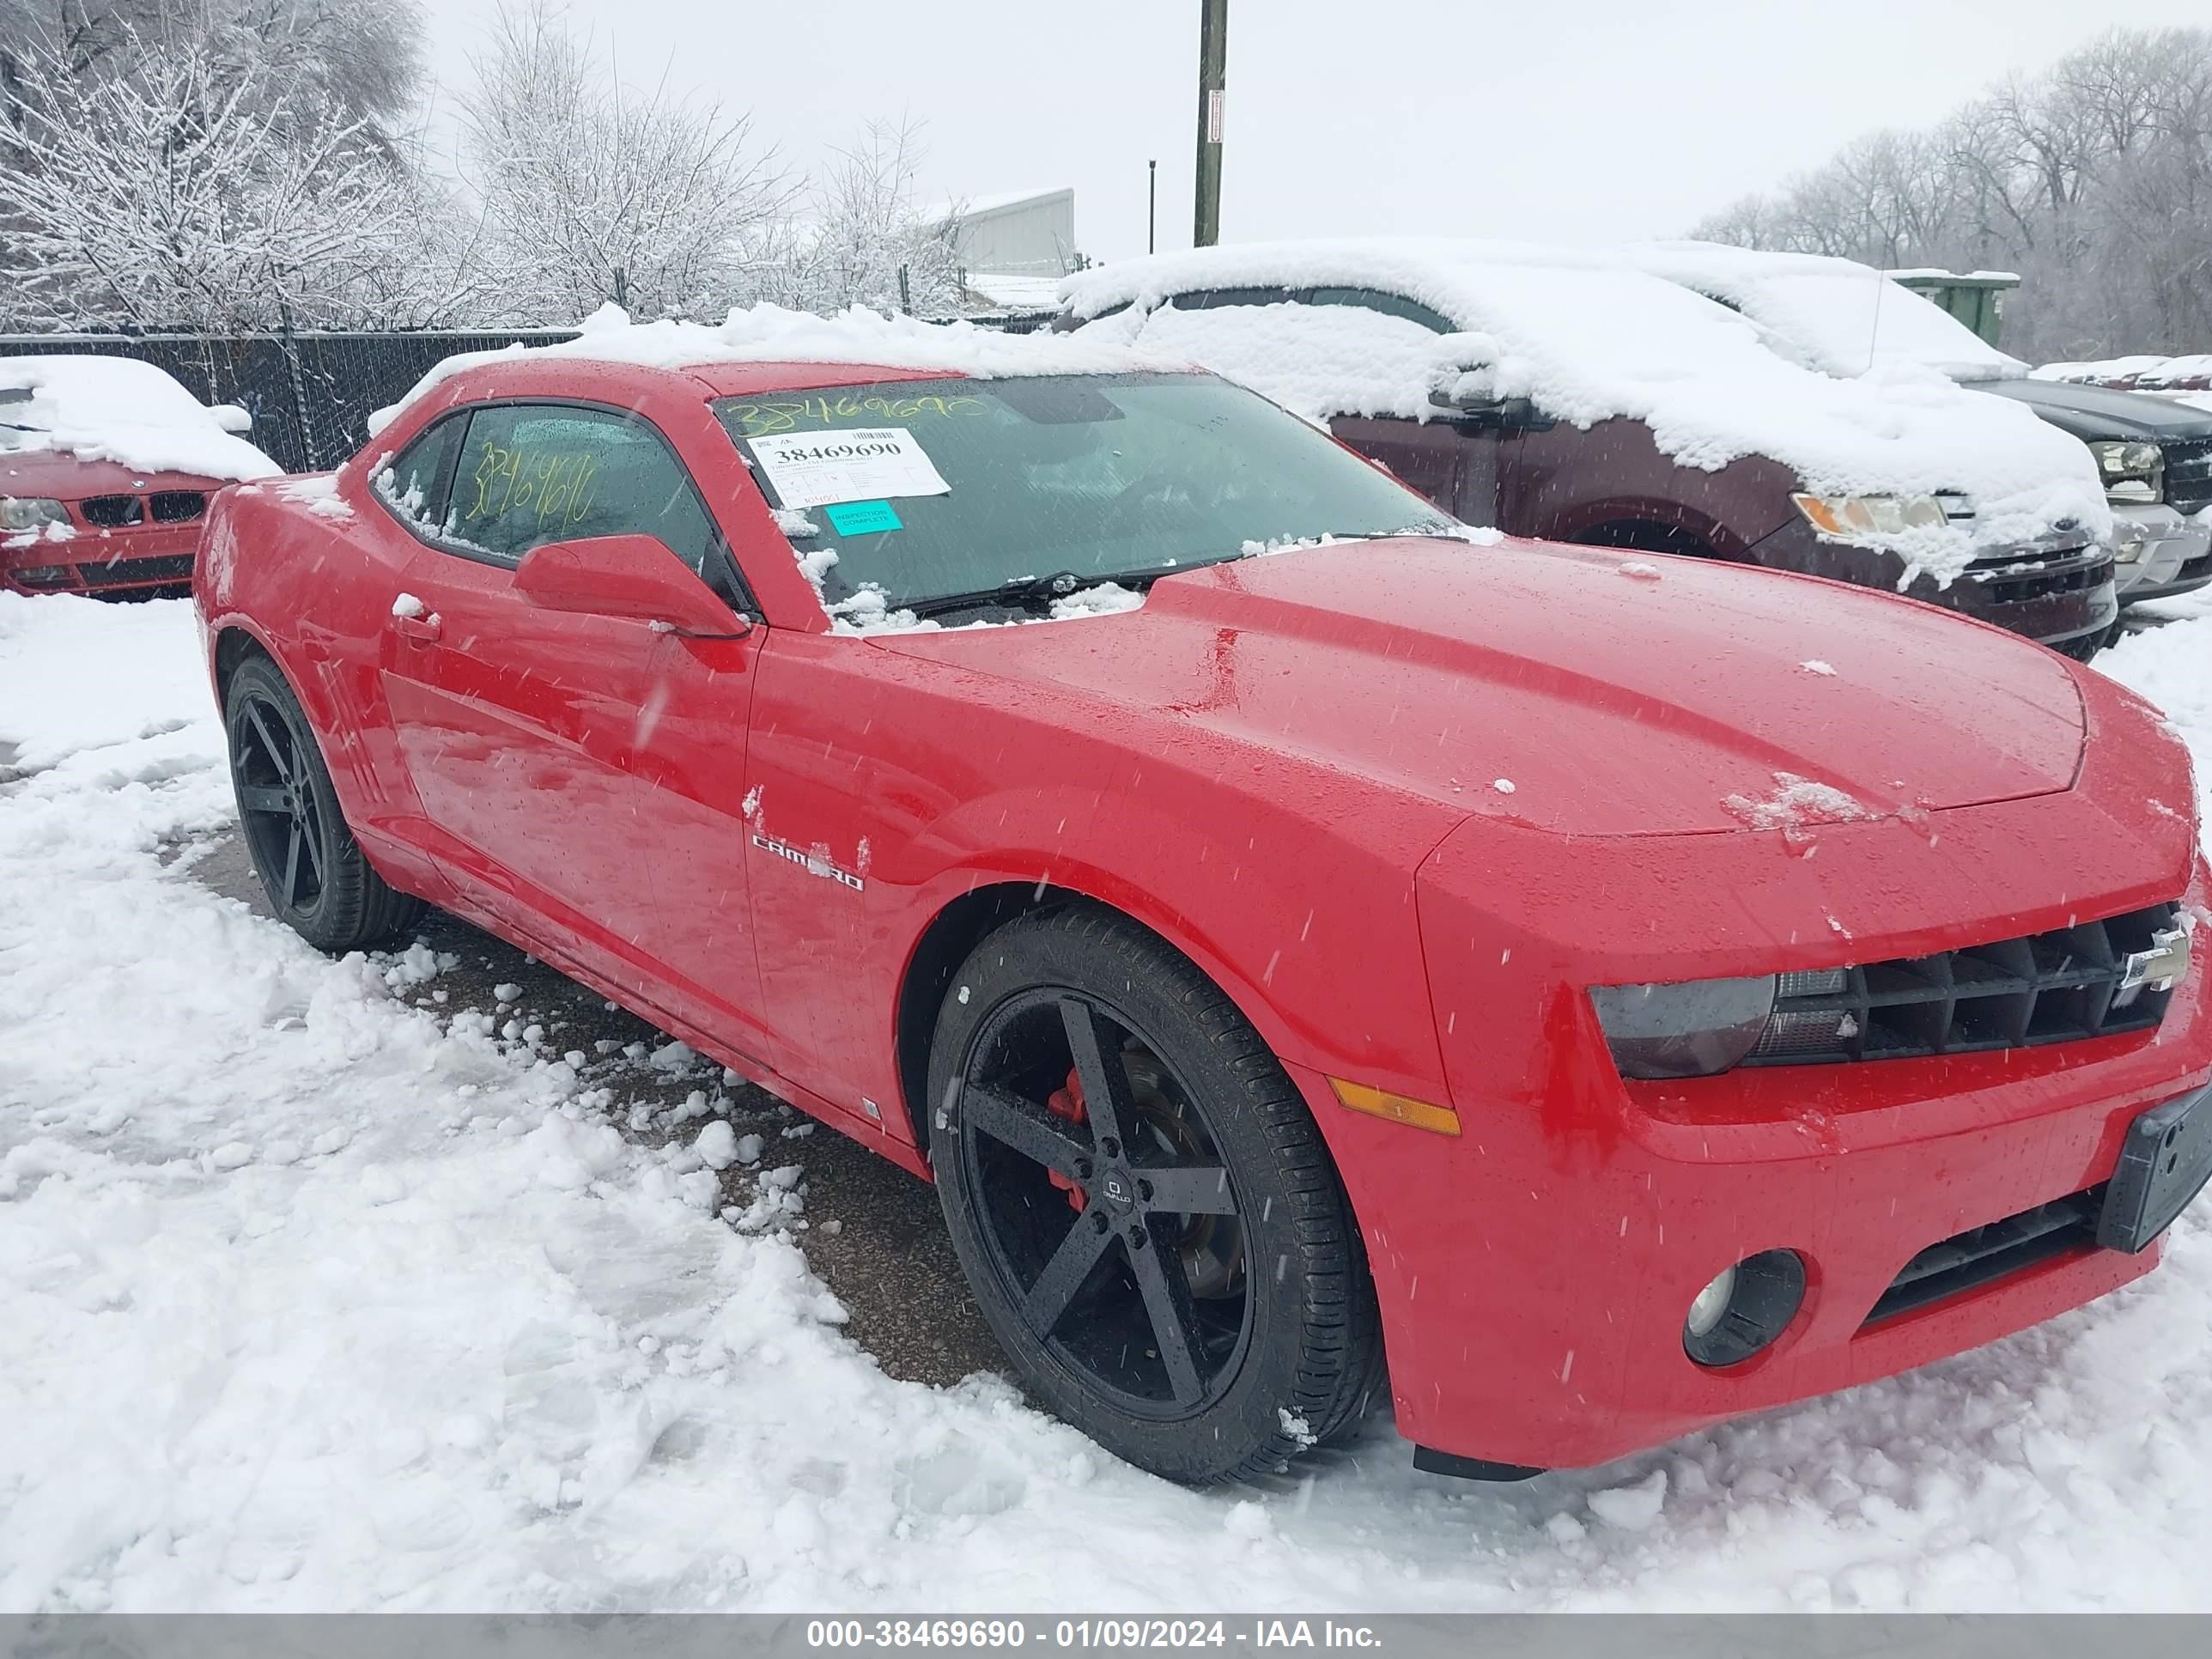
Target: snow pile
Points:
(2146, 372)
(771, 334)
(117, 408)
(1834, 315)
(318, 494)
(1589, 339)
(310, 1302)
(1796, 803)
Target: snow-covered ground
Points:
(309, 1300)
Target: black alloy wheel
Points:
(1143, 1204)
(309, 863)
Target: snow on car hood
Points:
(117, 408)
(1589, 339)
(1683, 696)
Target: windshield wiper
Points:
(1031, 591)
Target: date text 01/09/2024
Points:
(997, 1633)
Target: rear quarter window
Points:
(413, 483)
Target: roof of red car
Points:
(738, 380)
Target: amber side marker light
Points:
(1381, 1102)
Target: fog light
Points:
(1710, 1303)
(1744, 1309)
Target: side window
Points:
(1208, 299)
(413, 482)
(532, 473)
(1390, 304)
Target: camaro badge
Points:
(815, 864)
(2164, 965)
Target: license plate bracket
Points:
(2164, 1162)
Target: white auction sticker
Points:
(871, 464)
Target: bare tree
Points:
(2093, 180)
(863, 238)
(592, 193)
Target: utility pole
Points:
(1212, 77)
(1152, 207)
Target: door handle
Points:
(424, 628)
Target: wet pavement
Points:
(871, 1231)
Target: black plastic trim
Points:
(1471, 1468)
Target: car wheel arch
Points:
(234, 644)
(958, 925)
(1646, 532)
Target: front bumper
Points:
(1534, 1272)
(2049, 593)
(2160, 552)
(145, 559)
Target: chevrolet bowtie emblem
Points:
(2161, 967)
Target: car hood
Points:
(2095, 413)
(1571, 689)
(58, 475)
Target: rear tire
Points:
(1204, 1344)
(311, 868)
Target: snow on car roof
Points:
(117, 408)
(1843, 317)
(2143, 370)
(1590, 337)
(772, 334)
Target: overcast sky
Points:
(1587, 119)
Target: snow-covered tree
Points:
(593, 192)
(364, 56)
(862, 239)
(188, 193)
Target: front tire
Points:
(311, 868)
(1143, 1204)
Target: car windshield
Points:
(16, 430)
(934, 490)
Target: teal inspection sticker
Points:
(862, 518)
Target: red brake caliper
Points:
(1068, 1103)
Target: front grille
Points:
(112, 512)
(2188, 474)
(2058, 987)
(1982, 1254)
(178, 506)
(2040, 584)
(176, 568)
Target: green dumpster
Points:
(1976, 298)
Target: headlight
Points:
(1706, 1026)
(1855, 518)
(1692, 1029)
(2132, 470)
(30, 513)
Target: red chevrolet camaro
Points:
(1305, 945)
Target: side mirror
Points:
(231, 418)
(633, 576)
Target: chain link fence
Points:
(309, 394)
